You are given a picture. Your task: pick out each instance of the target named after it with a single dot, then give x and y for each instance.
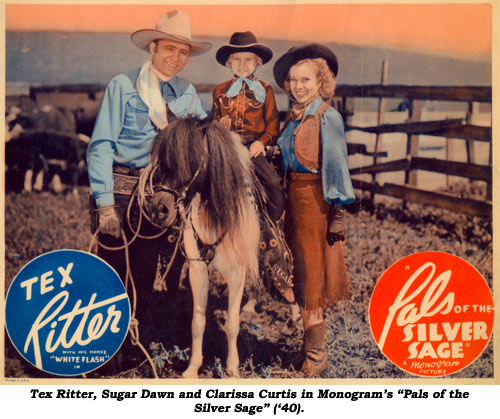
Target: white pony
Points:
(202, 175)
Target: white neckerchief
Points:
(148, 87)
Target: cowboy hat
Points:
(174, 25)
(294, 55)
(243, 42)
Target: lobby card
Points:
(414, 89)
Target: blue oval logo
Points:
(67, 312)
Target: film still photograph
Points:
(282, 191)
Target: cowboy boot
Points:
(315, 348)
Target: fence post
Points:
(415, 113)
(489, 185)
(380, 121)
(471, 110)
(448, 157)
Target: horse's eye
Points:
(162, 209)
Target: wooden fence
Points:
(460, 128)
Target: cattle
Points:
(44, 140)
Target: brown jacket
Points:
(249, 117)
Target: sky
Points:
(455, 28)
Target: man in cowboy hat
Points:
(135, 106)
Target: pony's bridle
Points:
(146, 181)
(147, 186)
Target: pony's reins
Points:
(139, 193)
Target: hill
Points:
(62, 58)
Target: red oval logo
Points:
(431, 314)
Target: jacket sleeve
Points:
(271, 118)
(215, 113)
(101, 149)
(337, 185)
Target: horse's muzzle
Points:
(163, 209)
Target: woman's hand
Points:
(335, 232)
(257, 148)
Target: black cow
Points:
(44, 140)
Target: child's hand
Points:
(257, 148)
(226, 122)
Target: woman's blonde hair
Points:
(326, 80)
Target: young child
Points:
(247, 105)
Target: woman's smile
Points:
(303, 82)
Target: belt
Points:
(125, 179)
(304, 176)
(124, 170)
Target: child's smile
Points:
(243, 64)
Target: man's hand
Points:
(109, 221)
(257, 148)
(335, 230)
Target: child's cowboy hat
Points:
(174, 25)
(303, 52)
(243, 42)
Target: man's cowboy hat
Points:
(243, 42)
(174, 25)
(303, 52)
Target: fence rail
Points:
(450, 128)
(438, 199)
(447, 167)
(441, 93)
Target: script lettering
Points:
(430, 304)
(96, 326)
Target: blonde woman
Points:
(314, 153)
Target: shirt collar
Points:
(174, 84)
(313, 107)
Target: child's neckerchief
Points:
(148, 87)
(254, 85)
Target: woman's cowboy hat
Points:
(303, 52)
(174, 25)
(243, 42)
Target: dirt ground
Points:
(271, 337)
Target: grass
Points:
(270, 340)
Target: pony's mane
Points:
(187, 147)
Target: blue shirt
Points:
(337, 186)
(123, 132)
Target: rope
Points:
(140, 192)
(134, 323)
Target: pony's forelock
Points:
(221, 164)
